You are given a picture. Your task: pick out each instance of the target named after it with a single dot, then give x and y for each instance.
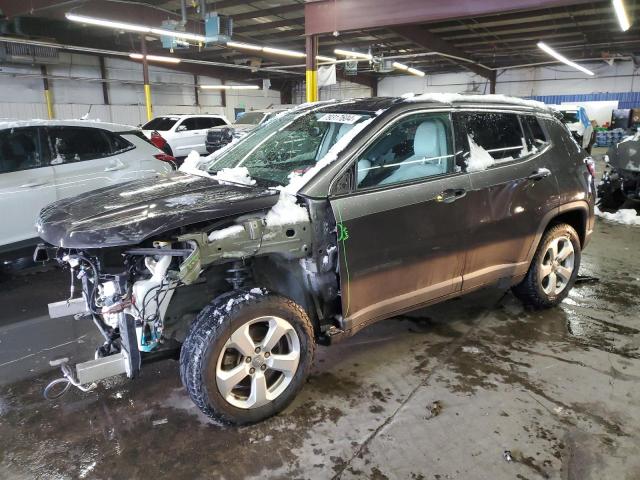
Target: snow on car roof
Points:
(113, 127)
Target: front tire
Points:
(553, 270)
(247, 356)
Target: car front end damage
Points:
(140, 297)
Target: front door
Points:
(401, 229)
(513, 188)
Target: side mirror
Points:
(181, 128)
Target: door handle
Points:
(114, 166)
(539, 174)
(451, 195)
(34, 183)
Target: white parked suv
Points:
(177, 135)
(42, 161)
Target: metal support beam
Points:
(312, 68)
(223, 95)
(47, 92)
(492, 82)
(195, 90)
(103, 76)
(326, 16)
(428, 40)
(145, 76)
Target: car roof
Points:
(187, 115)
(113, 127)
(375, 104)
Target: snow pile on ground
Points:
(234, 175)
(626, 216)
(192, 163)
(456, 97)
(479, 158)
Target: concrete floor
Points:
(440, 394)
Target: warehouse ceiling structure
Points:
(481, 37)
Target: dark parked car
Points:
(220, 136)
(391, 204)
(621, 178)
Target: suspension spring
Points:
(238, 274)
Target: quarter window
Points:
(416, 147)
(20, 149)
(536, 138)
(499, 134)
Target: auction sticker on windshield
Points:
(340, 118)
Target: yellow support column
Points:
(145, 76)
(312, 68)
(47, 93)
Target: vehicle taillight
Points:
(158, 140)
(591, 166)
(163, 157)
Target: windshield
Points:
(570, 116)
(250, 118)
(162, 124)
(289, 144)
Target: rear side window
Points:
(210, 122)
(77, 144)
(161, 124)
(499, 134)
(21, 149)
(536, 138)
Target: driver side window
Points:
(415, 147)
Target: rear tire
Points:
(553, 270)
(238, 381)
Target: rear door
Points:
(513, 187)
(26, 182)
(401, 230)
(87, 158)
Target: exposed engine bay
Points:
(142, 299)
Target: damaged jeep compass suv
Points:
(331, 217)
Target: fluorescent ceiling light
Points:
(107, 23)
(132, 27)
(400, 66)
(546, 48)
(621, 13)
(415, 71)
(155, 58)
(230, 87)
(408, 69)
(281, 51)
(246, 46)
(348, 53)
(276, 51)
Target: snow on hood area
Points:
(625, 216)
(479, 158)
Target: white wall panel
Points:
(172, 92)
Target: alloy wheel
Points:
(557, 266)
(258, 362)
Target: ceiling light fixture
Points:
(348, 53)
(621, 13)
(276, 51)
(154, 58)
(132, 27)
(230, 87)
(546, 48)
(282, 51)
(408, 69)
